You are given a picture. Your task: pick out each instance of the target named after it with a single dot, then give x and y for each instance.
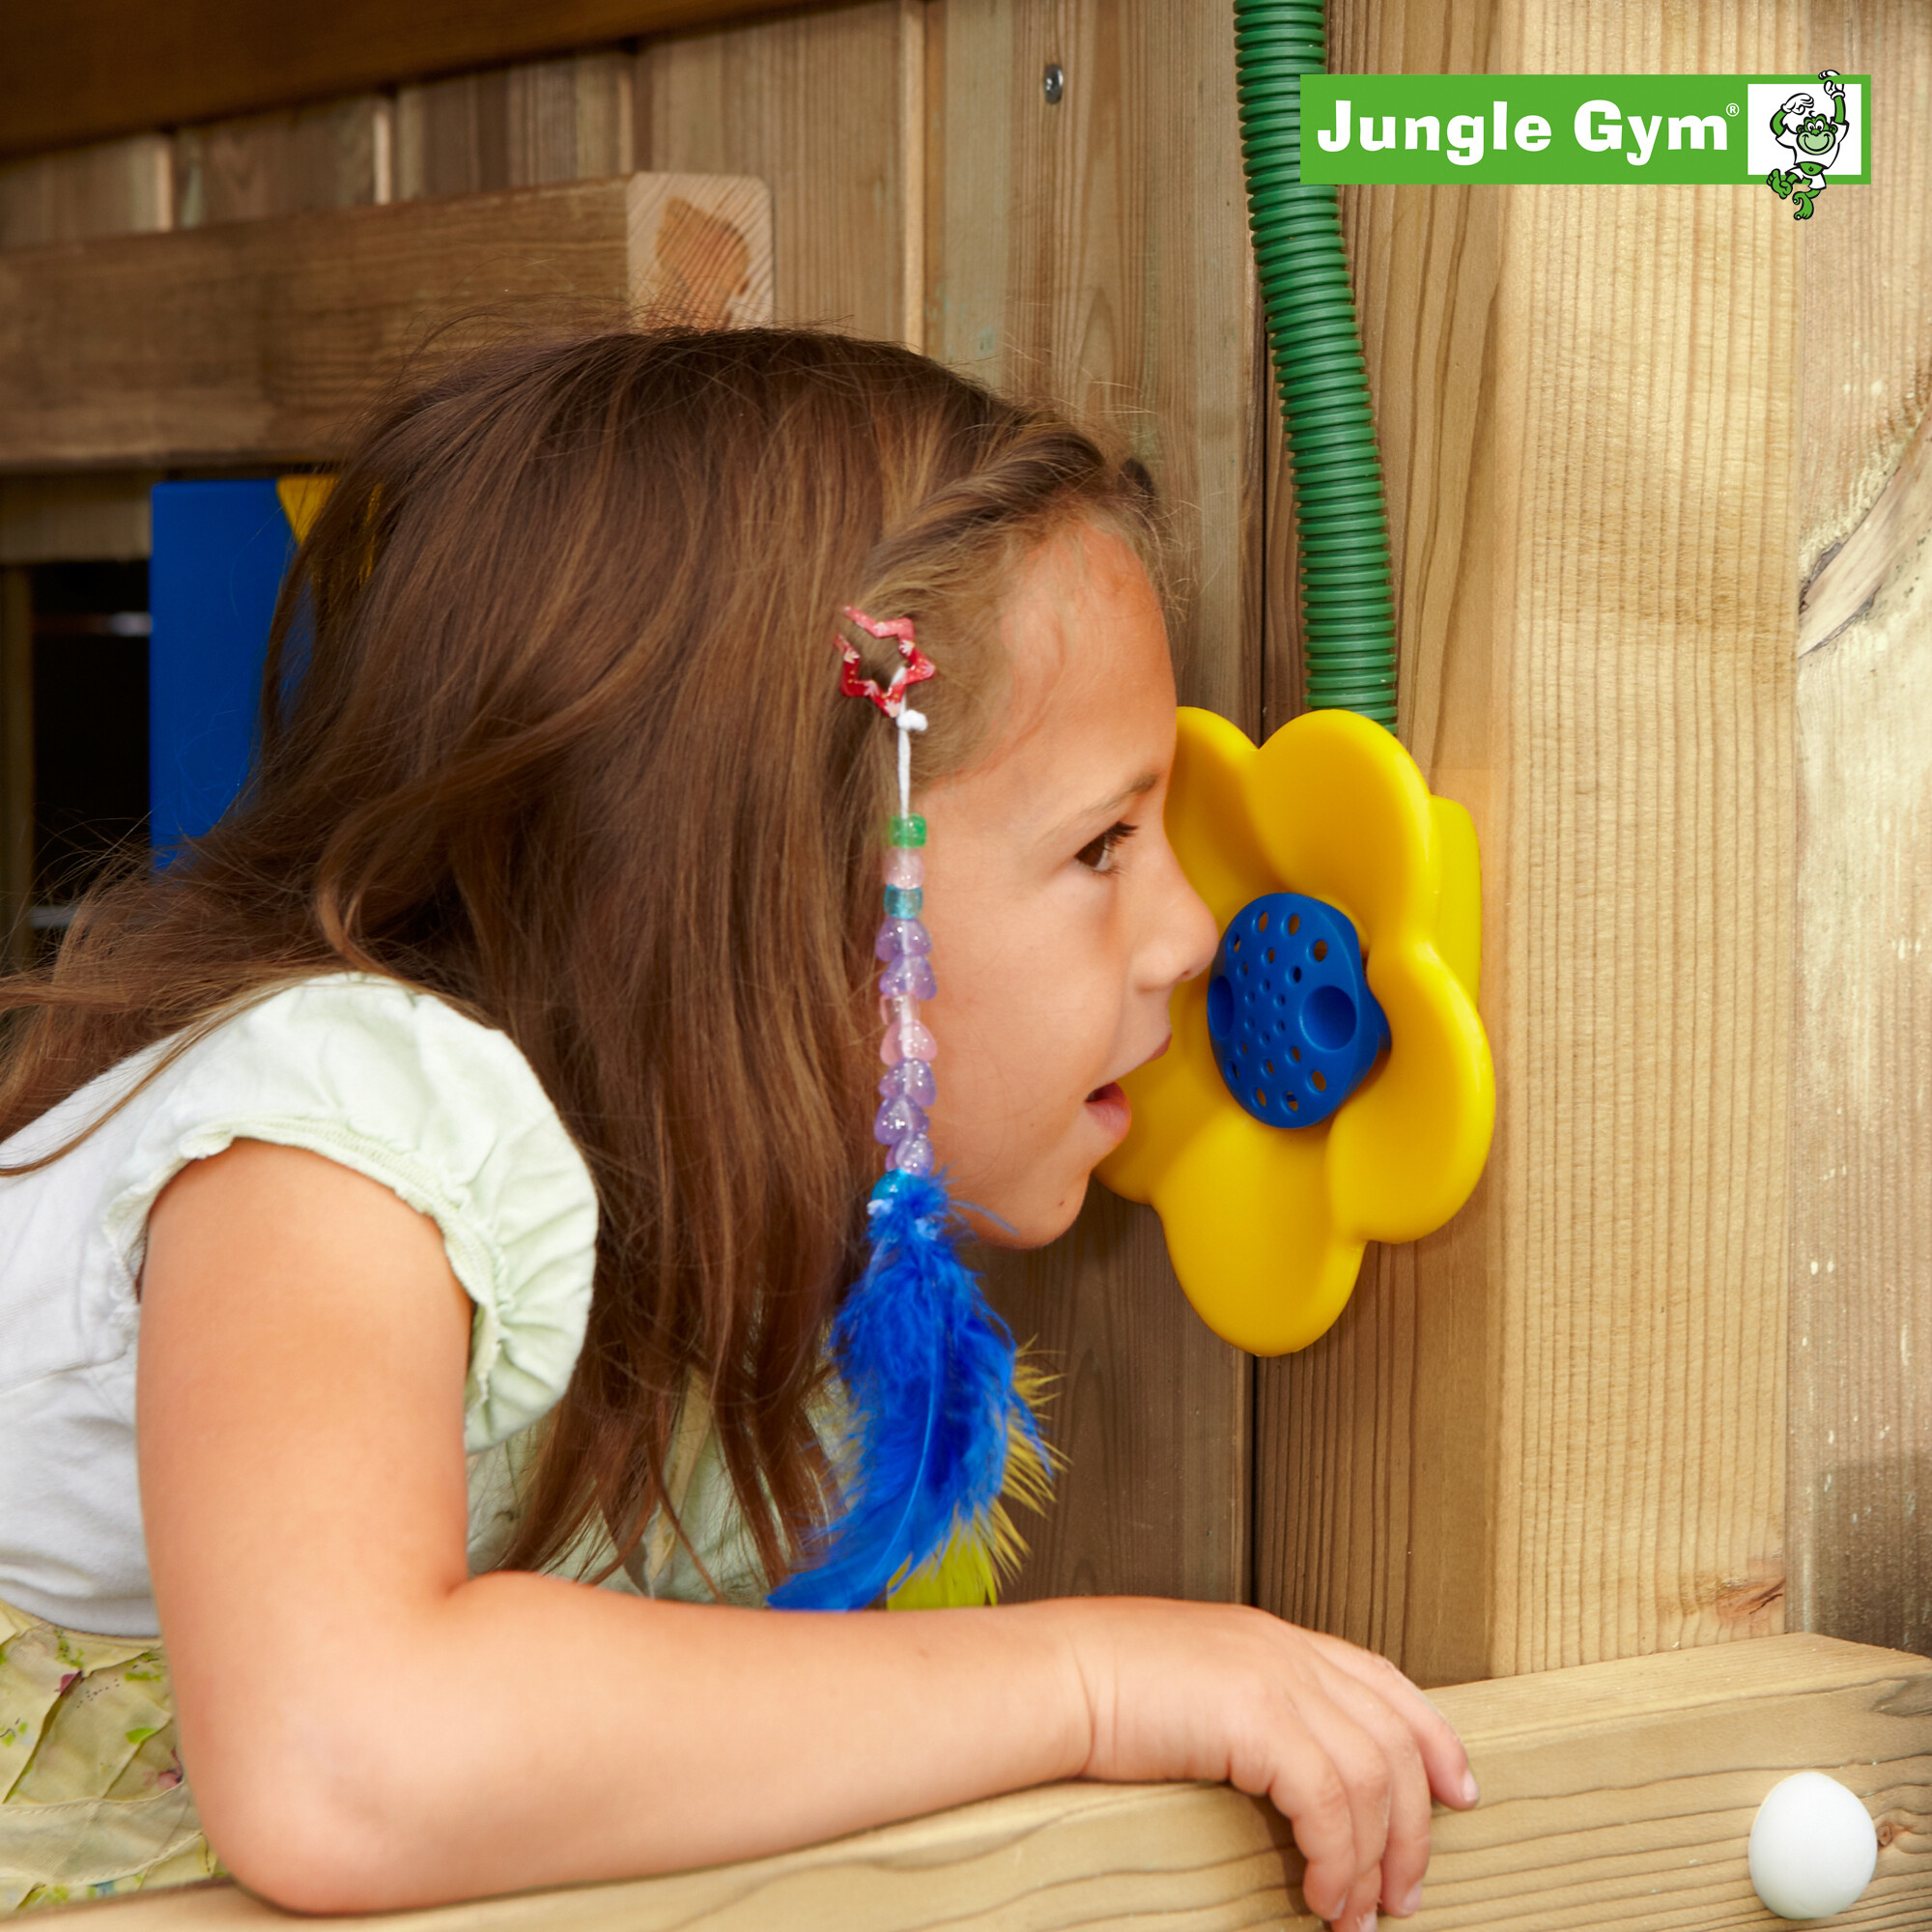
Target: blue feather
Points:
(928, 1371)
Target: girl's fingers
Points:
(1405, 1856)
(1346, 1885)
(1304, 1784)
(1443, 1758)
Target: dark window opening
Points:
(90, 712)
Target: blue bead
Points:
(904, 901)
(898, 937)
(914, 1079)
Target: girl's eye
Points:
(1098, 855)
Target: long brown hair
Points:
(551, 728)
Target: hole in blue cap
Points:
(1220, 1007)
(1328, 1019)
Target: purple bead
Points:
(914, 1079)
(913, 1156)
(898, 937)
(910, 972)
(899, 1120)
(910, 1041)
(904, 869)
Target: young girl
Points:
(498, 1077)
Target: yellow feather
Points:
(988, 1549)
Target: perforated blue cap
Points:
(1295, 1027)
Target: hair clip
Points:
(916, 669)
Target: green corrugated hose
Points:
(1340, 526)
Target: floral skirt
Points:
(92, 1797)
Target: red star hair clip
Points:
(916, 669)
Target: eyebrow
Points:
(1105, 807)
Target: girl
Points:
(505, 1058)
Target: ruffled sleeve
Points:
(446, 1114)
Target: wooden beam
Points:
(1555, 1432)
(74, 71)
(1862, 1141)
(1613, 1794)
(257, 342)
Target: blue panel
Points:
(220, 553)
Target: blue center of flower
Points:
(1294, 1026)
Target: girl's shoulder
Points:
(396, 1085)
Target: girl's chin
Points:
(1028, 1223)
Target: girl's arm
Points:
(367, 1726)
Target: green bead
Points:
(908, 829)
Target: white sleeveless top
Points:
(397, 1086)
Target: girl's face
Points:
(1061, 921)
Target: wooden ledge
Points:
(81, 70)
(1615, 1794)
(258, 342)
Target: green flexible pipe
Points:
(1340, 526)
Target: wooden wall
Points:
(927, 190)
(1618, 425)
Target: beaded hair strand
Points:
(941, 1425)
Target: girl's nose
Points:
(1187, 934)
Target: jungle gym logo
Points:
(1814, 138)
(1790, 131)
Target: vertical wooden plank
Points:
(16, 767)
(1095, 249)
(1373, 1431)
(816, 104)
(1861, 1246)
(335, 156)
(517, 126)
(116, 187)
(1554, 1433)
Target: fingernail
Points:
(1412, 1904)
(1470, 1793)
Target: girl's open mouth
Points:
(1114, 1107)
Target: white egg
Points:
(1812, 1847)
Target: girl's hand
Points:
(1344, 1744)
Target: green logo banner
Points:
(1616, 127)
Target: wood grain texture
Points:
(814, 105)
(517, 126)
(1554, 1433)
(76, 519)
(260, 341)
(127, 65)
(1374, 1471)
(1882, 542)
(115, 187)
(1095, 250)
(335, 156)
(1867, 275)
(1613, 1794)
(1861, 1249)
